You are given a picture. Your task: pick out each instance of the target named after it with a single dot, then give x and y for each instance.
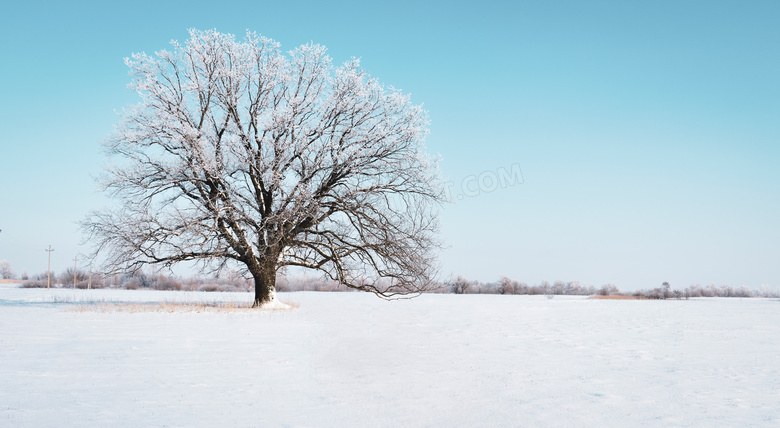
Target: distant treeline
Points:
(135, 281)
(234, 281)
(460, 285)
(230, 281)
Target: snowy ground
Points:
(350, 359)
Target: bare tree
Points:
(666, 290)
(241, 154)
(460, 285)
(507, 286)
(609, 290)
(5, 270)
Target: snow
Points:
(351, 359)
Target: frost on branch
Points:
(241, 154)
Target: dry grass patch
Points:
(11, 281)
(181, 307)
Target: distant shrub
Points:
(131, 284)
(166, 283)
(211, 288)
(66, 278)
(609, 290)
(34, 283)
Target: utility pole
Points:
(48, 269)
(75, 260)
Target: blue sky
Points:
(648, 133)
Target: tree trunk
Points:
(265, 284)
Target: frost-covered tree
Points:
(5, 270)
(459, 285)
(241, 154)
(507, 286)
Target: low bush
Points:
(34, 283)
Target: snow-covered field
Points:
(351, 359)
